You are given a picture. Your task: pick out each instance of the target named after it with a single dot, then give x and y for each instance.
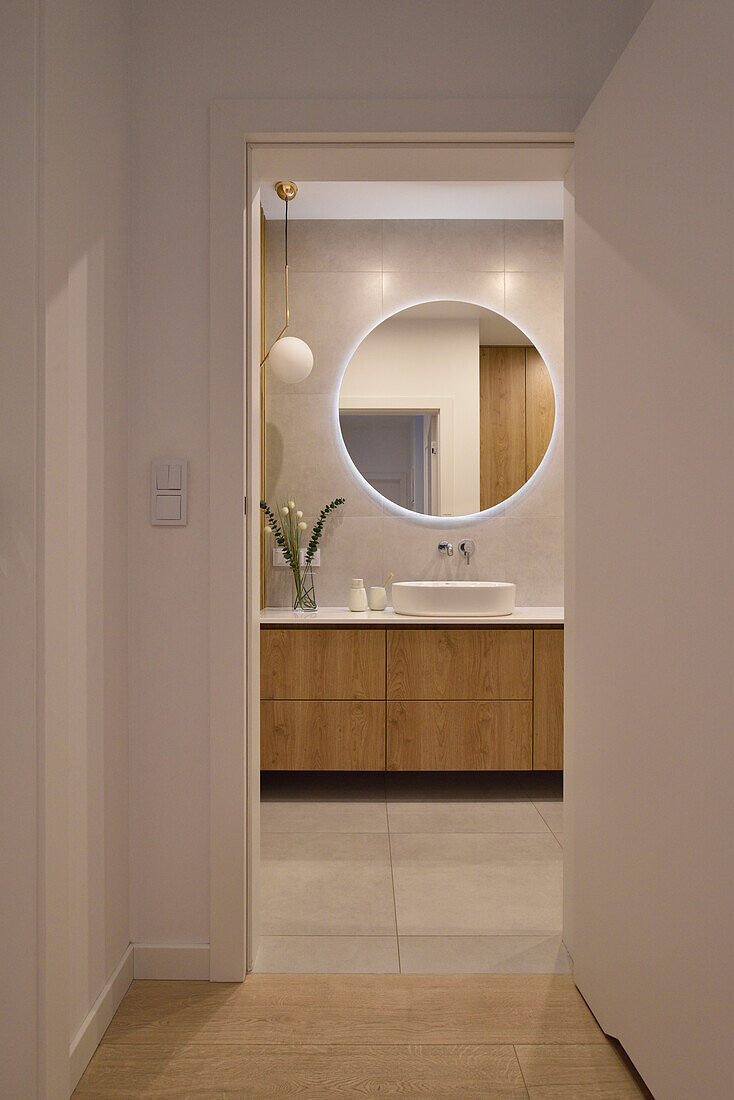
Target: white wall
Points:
(18, 549)
(511, 67)
(424, 360)
(63, 547)
(650, 868)
(86, 225)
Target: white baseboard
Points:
(97, 1020)
(172, 962)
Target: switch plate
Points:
(280, 563)
(169, 492)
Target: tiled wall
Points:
(345, 277)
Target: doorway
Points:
(449, 159)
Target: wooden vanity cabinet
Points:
(411, 699)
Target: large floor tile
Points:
(465, 817)
(327, 955)
(326, 884)
(483, 955)
(481, 884)
(309, 816)
(552, 814)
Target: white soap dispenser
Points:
(357, 595)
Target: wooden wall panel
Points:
(316, 663)
(540, 410)
(322, 735)
(501, 423)
(548, 700)
(460, 664)
(429, 735)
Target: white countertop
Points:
(332, 616)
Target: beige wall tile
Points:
(325, 246)
(443, 245)
(535, 560)
(533, 246)
(401, 289)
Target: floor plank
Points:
(348, 1008)
(120, 1071)
(571, 1072)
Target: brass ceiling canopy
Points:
(286, 190)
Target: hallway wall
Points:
(650, 751)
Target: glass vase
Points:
(304, 596)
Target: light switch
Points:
(160, 471)
(169, 492)
(167, 507)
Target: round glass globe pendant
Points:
(290, 359)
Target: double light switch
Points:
(168, 492)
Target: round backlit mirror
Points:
(446, 408)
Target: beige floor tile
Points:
(474, 884)
(326, 884)
(327, 955)
(483, 955)
(552, 814)
(308, 816)
(465, 817)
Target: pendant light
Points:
(290, 359)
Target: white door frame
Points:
(321, 138)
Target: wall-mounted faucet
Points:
(467, 548)
(446, 548)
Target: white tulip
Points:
(284, 510)
(301, 526)
(299, 515)
(268, 529)
(291, 503)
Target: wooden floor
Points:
(468, 1036)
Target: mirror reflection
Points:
(446, 408)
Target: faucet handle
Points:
(446, 548)
(467, 548)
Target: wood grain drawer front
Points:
(314, 663)
(429, 735)
(548, 701)
(317, 735)
(460, 664)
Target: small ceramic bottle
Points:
(357, 595)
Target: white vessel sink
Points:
(453, 598)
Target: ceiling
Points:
(404, 199)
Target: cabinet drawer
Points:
(314, 663)
(459, 736)
(322, 735)
(460, 664)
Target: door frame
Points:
(248, 137)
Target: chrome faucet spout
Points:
(446, 548)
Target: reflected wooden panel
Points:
(429, 735)
(460, 664)
(314, 663)
(501, 423)
(322, 735)
(540, 410)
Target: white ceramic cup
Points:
(377, 599)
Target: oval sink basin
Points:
(470, 598)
